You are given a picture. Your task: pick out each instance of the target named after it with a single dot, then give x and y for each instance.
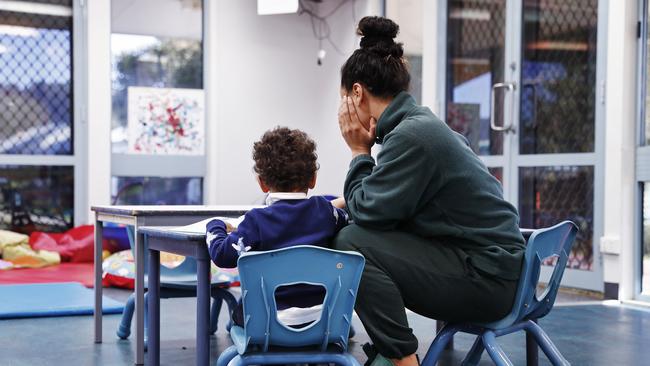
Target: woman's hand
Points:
(359, 138)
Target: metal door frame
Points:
(512, 160)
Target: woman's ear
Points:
(263, 185)
(358, 94)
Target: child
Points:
(285, 163)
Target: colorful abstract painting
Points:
(165, 121)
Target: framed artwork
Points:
(166, 121)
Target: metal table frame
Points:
(170, 239)
(139, 216)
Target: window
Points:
(158, 127)
(36, 116)
(408, 15)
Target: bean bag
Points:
(22, 256)
(8, 238)
(6, 265)
(75, 245)
(119, 269)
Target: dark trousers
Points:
(430, 277)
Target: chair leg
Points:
(226, 356)
(443, 337)
(214, 314)
(494, 350)
(124, 329)
(474, 355)
(146, 316)
(546, 344)
(230, 300)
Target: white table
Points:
(138, 216)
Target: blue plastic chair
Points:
(545, 243)
(264, 339)
(177, 282)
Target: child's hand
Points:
(338, 202)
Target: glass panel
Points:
(645, 260)
(156, 191)
(35, 83)
(475, 62)
(36, 198)
(144, 54)
(408, 14)
(558, 76)
(549, 195)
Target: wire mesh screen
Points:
(36, 83)
(475, 61)
(548, 195)
(36, 198)
(558, 76)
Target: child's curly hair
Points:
(285, 159)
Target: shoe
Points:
(374, 358)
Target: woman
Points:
(429, 218)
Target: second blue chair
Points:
(553, 242)
(264, 339)
(177, 282)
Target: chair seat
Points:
(184, 282)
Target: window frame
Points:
(77, 159)
(169, 166)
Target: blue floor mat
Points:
(50, 299)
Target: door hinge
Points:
(82, 3)
(639, 28)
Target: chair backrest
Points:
(261, 273)
(555, 241)
(186, 267)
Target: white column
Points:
(618, 244)
(432, 56)
(98, 61)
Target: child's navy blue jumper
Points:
(284, 223)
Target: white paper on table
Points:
(199, 227)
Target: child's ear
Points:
(263, 185)
(312, 182)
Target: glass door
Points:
(521, 84)
(475, 69)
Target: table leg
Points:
(139, 296)
(98, 280)
(153, 298)
(203, 313)
(532, 349)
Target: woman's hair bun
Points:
(378, 34)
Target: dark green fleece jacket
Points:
(427, 181)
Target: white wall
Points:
(172, 18)
(620, 147)
(262, 73)
(98, 58)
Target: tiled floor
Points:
(587, 334)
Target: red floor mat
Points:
(64, 272)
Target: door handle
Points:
(493, 124)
